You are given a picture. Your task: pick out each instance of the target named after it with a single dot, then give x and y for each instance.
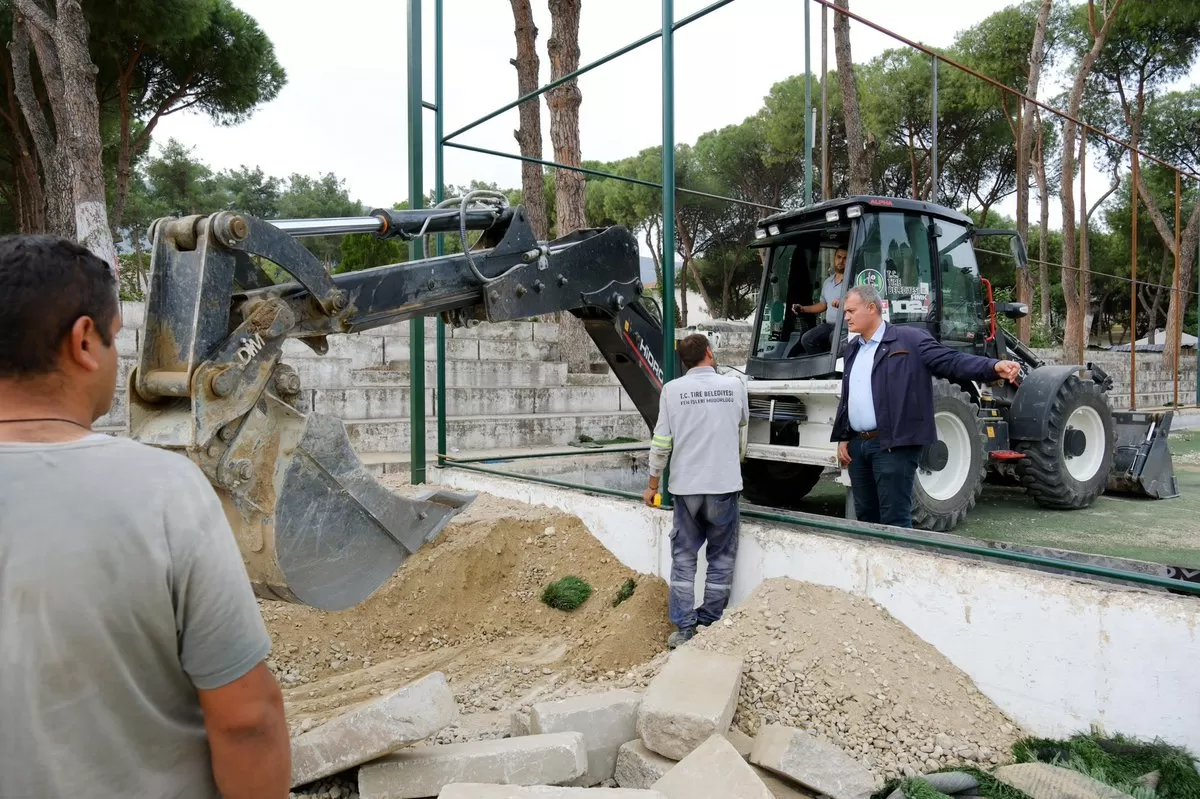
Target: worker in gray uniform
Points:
(700, 416)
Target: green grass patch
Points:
(625, 591)
(567, 594)
(1119, 761)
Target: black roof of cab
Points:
(806, 214)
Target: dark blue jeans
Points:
(701, 519)
(882, 481)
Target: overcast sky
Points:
(343, 109)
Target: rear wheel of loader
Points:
(1069, 468)
(776, 484)
(950, 474)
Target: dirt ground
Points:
(469, 605)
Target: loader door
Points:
(963, 312)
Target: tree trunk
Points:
(570, 198)
(1073, 279)
(529, 134)
(1026, 125)
(61, 44)
(1043, 232)
(56, 191)
(29, 201)
(860, 161)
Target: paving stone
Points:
(714, 768)
(742, 742)
(691, 699)
(480, 791)
(815, 764)
(780, 789)
(1043, 781)
(638, 767)
(518, 724)
(607, 720)
(551, 759)
(411, 714)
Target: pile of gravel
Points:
(839, 666)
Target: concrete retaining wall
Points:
(1056, 653)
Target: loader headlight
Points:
(760, 233)
(854, 211)
(831, 216)
(773, 230)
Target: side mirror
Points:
(1017, 247)
(1012, 310)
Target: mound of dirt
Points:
(841, 667)
(469, 604)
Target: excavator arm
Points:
(227, 290)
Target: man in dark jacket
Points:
(885, 416)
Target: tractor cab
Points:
(919, 257)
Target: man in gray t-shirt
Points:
(819, 338)
(132, 652)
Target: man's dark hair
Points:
(46, 283)
(692, 349)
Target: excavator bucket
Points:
(314, 526)
(1142, 460)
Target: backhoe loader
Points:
(315, 528)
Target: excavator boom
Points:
(313, 526)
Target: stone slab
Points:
(714, 768)
(742, 742)
(1044, 781)
(692, 698)
(411, 714)
(607, 720)
(419, 772)
(815, 764)
(638, 767)
(780, 789)
(480, 791)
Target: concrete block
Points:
(504, 432)
(742, 742)
(362, 350)
(638, 767)
(579, 399)
(816, 764)
(367, 403)
(517, 350)
(714, 768)
(322, 372)
(497, 331)
(413, 713)
(546, 331)
(606, 720)
(423, 771)
(1044, 781)
(518, 723)
(127, 341)
(779, 789)
(692, 698)
(396, 349)
(480, 791)
(133, 314)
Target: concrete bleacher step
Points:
(488, 432)
(382, 402)
(466, 374)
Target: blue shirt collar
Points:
(877, 336)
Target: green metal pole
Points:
(416, 326)
(439, 154)
(809, 119)
(668, 205)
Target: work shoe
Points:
(680, 637)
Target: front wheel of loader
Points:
(776, 484)
(1069, 468)
(951, 472)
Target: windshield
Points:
(891, 253)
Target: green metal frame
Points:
(416, 107)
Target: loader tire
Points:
(1069, 468)
(951, 472)
(775, 484)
